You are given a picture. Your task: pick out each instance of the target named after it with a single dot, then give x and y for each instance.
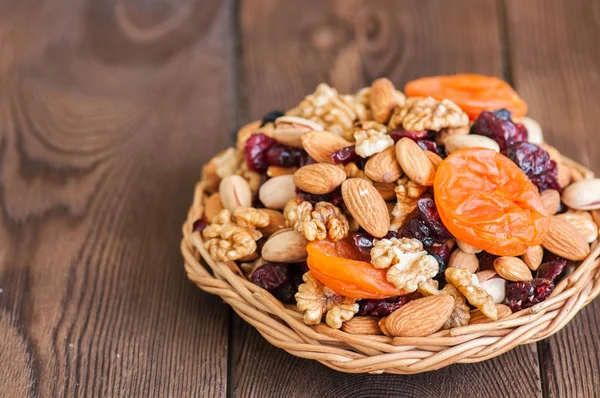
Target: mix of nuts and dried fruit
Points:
(386, 213)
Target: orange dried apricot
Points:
(345, 270)
(485, 200)
(471, 92)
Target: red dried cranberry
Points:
(413, 135)
(305, 160)
(270, 275)
(345, 155)
(381, 307)
(285, 292)
(427, 226)
(521, 295)
(499, 127)
(255, 151)
(364, 241)
(440, 250)
(486, 261)
(281, 155)
(270, 117)
(536, 163)
(334, 197)
(428, 146)
(551, 267)
(199, 225)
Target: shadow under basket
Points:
(283, 327)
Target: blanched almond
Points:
(495, 287)
(460, 259)
(421, 317)
(583, 195)
(235, 191)
(276, 192)
(383, 166)
(564, 240)
(366, 325)
(366, 206)
(512, 269)
(456, 142)
(550, 200)
(534, 130)
(319, 178)
(286, 246)
(321, 144)
(414, 162)
(533, 257)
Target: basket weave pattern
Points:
(283, 327)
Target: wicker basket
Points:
(283, 327)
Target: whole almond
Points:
(286, 246)
(382, 327)
(533, 257)
(366, 206)
(366, 325)
(277, 191)
(467, 248)
(550, 200)
(276, 222)
(213, 206)
(455, 142)
(477, 317)
(289, 130)
(495, 287)
(564, 240)
(434, 158)
(275, 171)
(421, 317)
(583, 222)
(382, 99)
(460, 259)
(583, 195)
(484, 275)
(512, 269)
(414, 162)
(319, 178)
(235, 191)
(387, 190)
(383, 166)
(321, 144)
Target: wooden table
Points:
(108, 110)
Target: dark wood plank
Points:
(555, 62)
(286, 53)
(108, 110)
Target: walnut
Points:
(290, 212)
(334, 111)
(250, 217)
(462, 313)
(467, 284)
(409, 265)
(224, 164)
(322, 221)
(408, 193)
(251, 176)
(227, 241)
(426, 113)
(371, 138)
(314, 299)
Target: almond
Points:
(387, 190)
(477, 317)
(286, 246)
(533, 257)
(512, 269)
(455, 142)
(289, 130)
(434, 158)
(460, 259)
(421, 317)
(321, 144)
(366, 206)
(382, 99)
(368, 325)
(319, 178)
(583, 222)
(275, 171)
(583, 195)
(235, 192)
(484, 275)
(383, 166)
(414, 162)
(495, 287)
(213, 206)
(382, 327)
(467, 248)
(276, 222)
(550, 200)
(277, 191)
(564, 240)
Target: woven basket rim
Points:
(282, 325)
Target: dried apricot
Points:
(345, 270)
(473, 93)
(485, 200)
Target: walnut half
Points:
(466, 283)
(318, 222)
(227, 241)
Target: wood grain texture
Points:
(104, 127)
(555, 63)
(286, 53)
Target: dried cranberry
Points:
(199, 225)
(285, 292)
(334, 197)
(413, 135)
(440, 250)
(270, 275)
(305, 160)
(428, 146)
(486, 260)
(552, 266)
(428, 226)
(381, 307)
(521, 295)
(345, 155)
(440, 276)
(499, 127)
(255, 151)
(284, 156)
(536, 163)
(270, 117)
(364, 241)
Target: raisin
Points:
(440, 276)
(286, 292)
(552, 266)
(440, 250)
(499, 126)
(345, 155)
(255, 151)
(413, 135)
(536, 163)
(270, 117)
(381, 307)
(200, 224)
(364, 241)
(271, 276)
(521, 295)
(284, 156)
(427, 226)
(486, 261)
(334, 197)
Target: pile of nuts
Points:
(360, 168)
